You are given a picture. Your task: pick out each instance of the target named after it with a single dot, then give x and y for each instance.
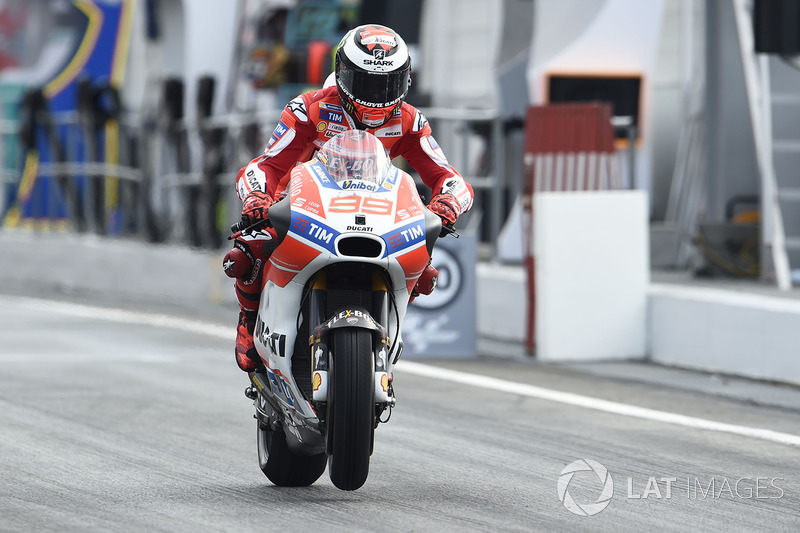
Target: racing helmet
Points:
(373, 74)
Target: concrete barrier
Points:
(728, 331)
(591, 275)
(38, 263)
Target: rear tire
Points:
(351, 407)
(281, 465)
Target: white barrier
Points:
(132, 271)
(591, 274)
(726, 331)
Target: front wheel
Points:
(282, 466)
(351, 407)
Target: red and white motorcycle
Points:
(353, 238)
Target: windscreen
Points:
(355, 155)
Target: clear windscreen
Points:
(355, 155)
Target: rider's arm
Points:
(422, 152)
(291, 139)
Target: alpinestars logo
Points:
(298, 107)
(585, 509)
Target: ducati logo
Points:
(379, 36)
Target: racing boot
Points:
(240, 263)
(246, 355)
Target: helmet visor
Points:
(373, 89)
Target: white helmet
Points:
(373, 70)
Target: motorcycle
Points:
(353, 240)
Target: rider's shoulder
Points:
(413, 119)
(307, 105)
(326, 96)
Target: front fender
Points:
(349, 317)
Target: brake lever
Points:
(449, 230)
(238, 231)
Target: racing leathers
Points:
(306, 123)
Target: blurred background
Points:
(129, 119)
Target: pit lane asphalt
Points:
(115, 424)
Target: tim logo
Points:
(279, 132)
(395, 241)
(331, 116)
(301, 225)
(314, 231)
(407, 236)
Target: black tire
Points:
(351, 407)
(281, 465)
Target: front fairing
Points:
(322, 222)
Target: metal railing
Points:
(174, 182)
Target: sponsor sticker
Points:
(314, 231)
(373, 36)
(336, 117)
(298, 107)
(280, 387)
(280, 131)
(420, 122)
(404, 237)
(331, 107)
(358, 185)
(395, 130)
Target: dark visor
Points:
(378, 88)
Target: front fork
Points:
(318, 300)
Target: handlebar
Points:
(243, 226)
(449, 230)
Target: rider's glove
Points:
(447, 207)
(256, 207)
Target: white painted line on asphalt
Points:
(132, 317)
(587, 402)
(429, 371)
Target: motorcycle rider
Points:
(372, 78)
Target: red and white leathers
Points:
(306, 123)
(312, 118)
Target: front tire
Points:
(351, 407)
(281, 465)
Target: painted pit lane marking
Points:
(428, 371)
